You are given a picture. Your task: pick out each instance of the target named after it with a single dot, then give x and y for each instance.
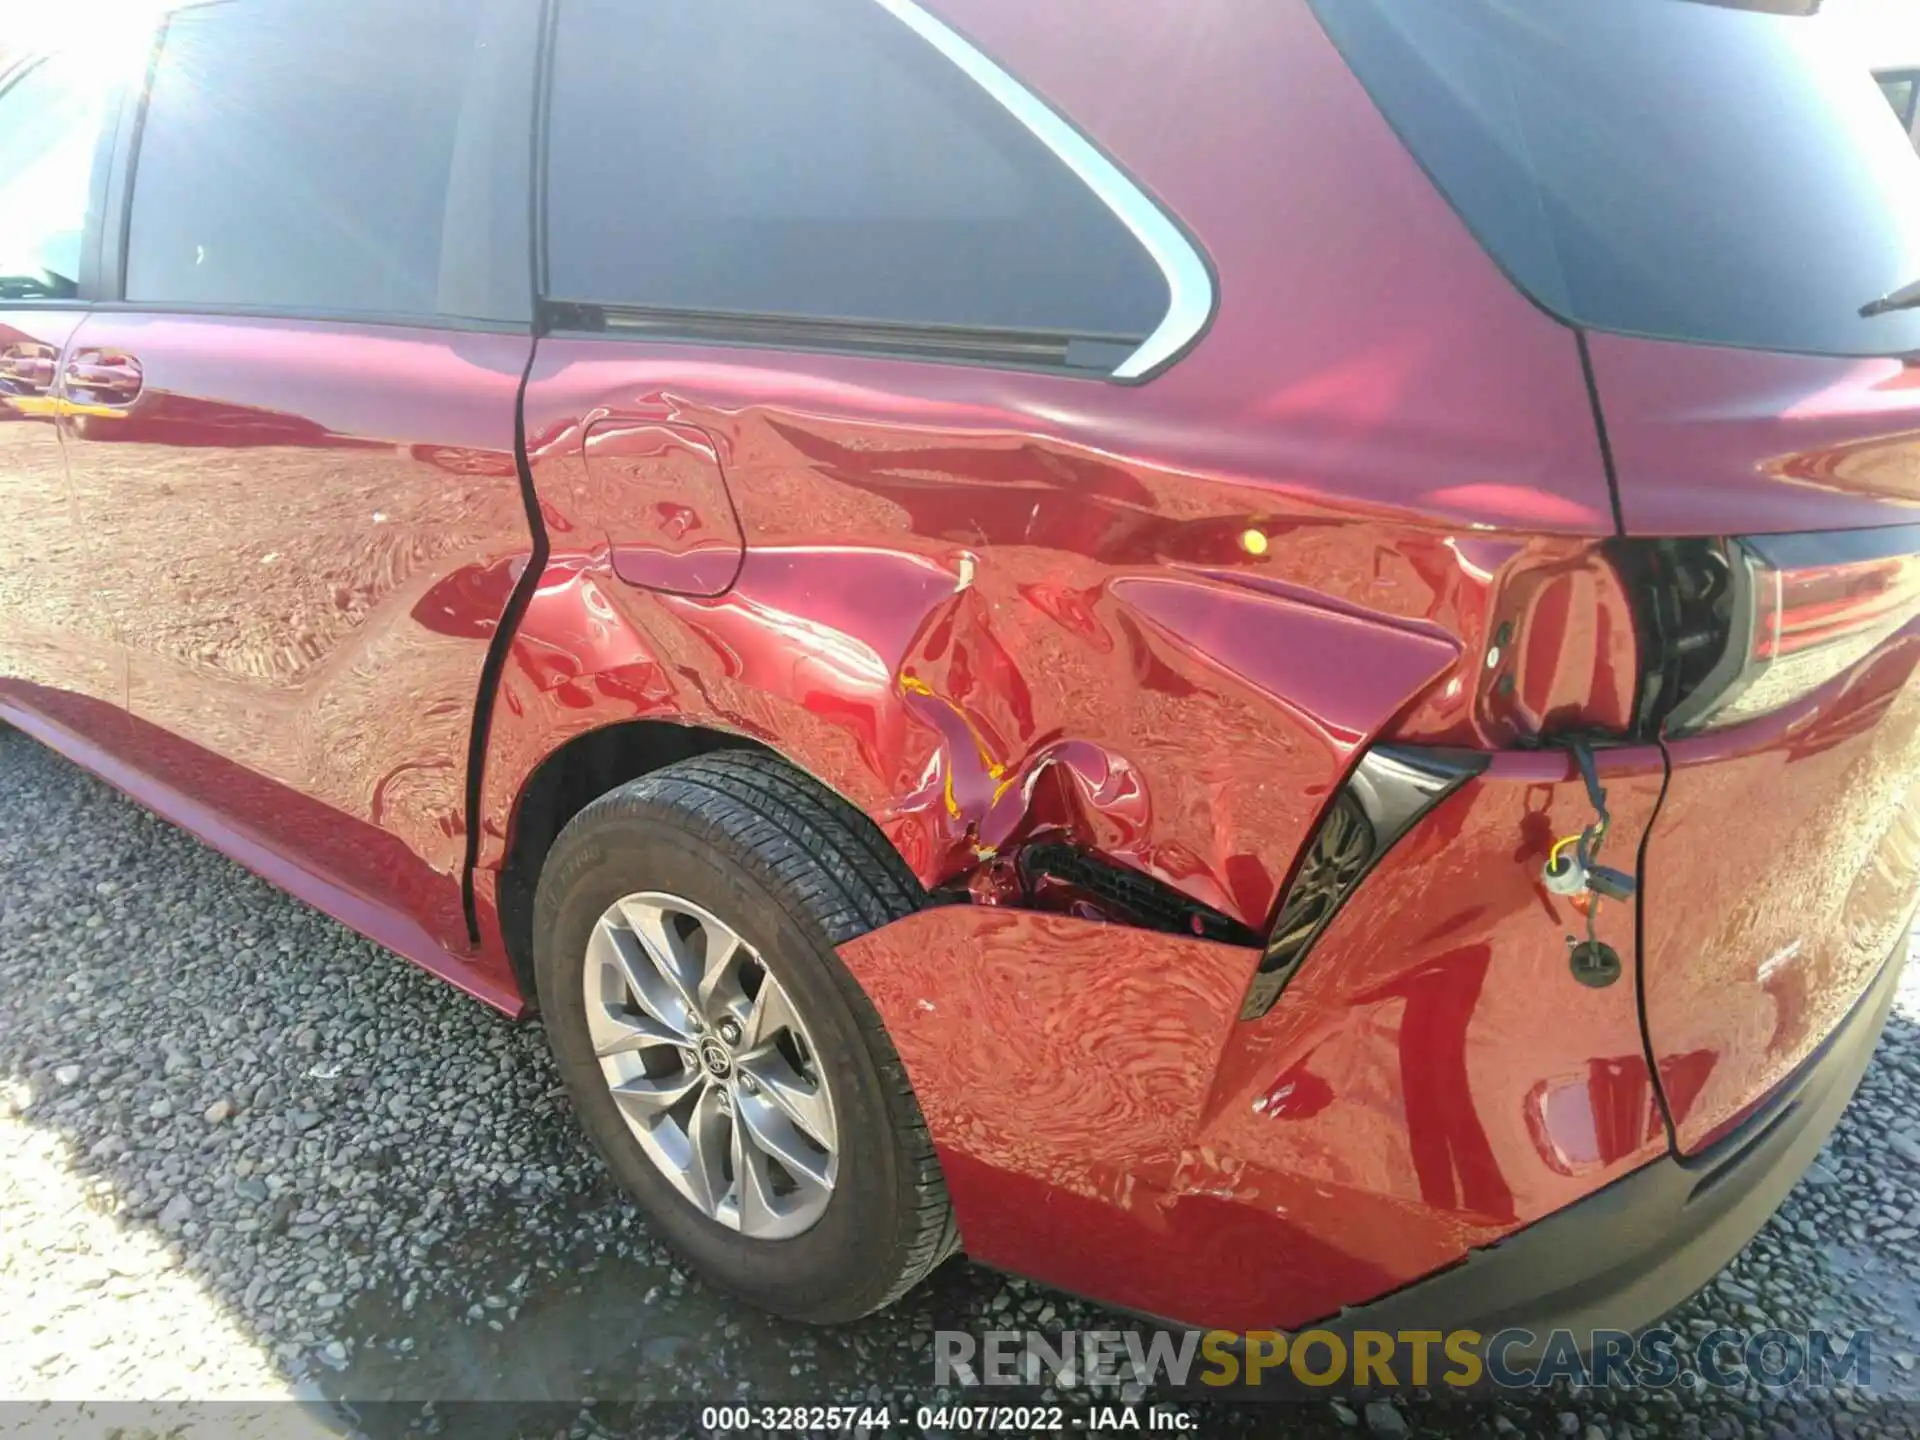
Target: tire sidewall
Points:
(640, 848)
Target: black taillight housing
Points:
(1737, 629)
(1684, 598)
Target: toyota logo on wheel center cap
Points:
(716, 1057)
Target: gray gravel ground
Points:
(246, 1154)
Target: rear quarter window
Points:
(823, 161)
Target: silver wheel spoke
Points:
(672, 961)
(720, 991)
(771, 1014)
(620, 948)
(802, 1101)
(621, 1034)
(709, 1136)
(720, 1087)
(646, 1097)
(753, 1186)
(768, 1127)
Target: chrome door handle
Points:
(28, 366)
(104, 377)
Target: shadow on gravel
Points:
(378, 1182)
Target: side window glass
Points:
(50, 120)
(298, 155)
(730, 158)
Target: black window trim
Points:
(1074, 354)
(390, 319)
(110, 263)
(1192, 280)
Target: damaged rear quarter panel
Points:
(977, 634)
(975, 600)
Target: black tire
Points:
(795, 872)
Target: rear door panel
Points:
(290, 427)
(307, 530)
(58, 651)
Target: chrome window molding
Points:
(1189, 280)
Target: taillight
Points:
(1800, 610)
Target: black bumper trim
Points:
(1627, 1255)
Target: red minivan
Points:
(1252, 657)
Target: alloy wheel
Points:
(711, 1066)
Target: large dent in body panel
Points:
(970, 702)
(1395, 422)
(1234, 692)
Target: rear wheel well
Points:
(567, 781)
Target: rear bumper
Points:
(1094, 1093)
(1630, 1253)
(1437, 1127)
